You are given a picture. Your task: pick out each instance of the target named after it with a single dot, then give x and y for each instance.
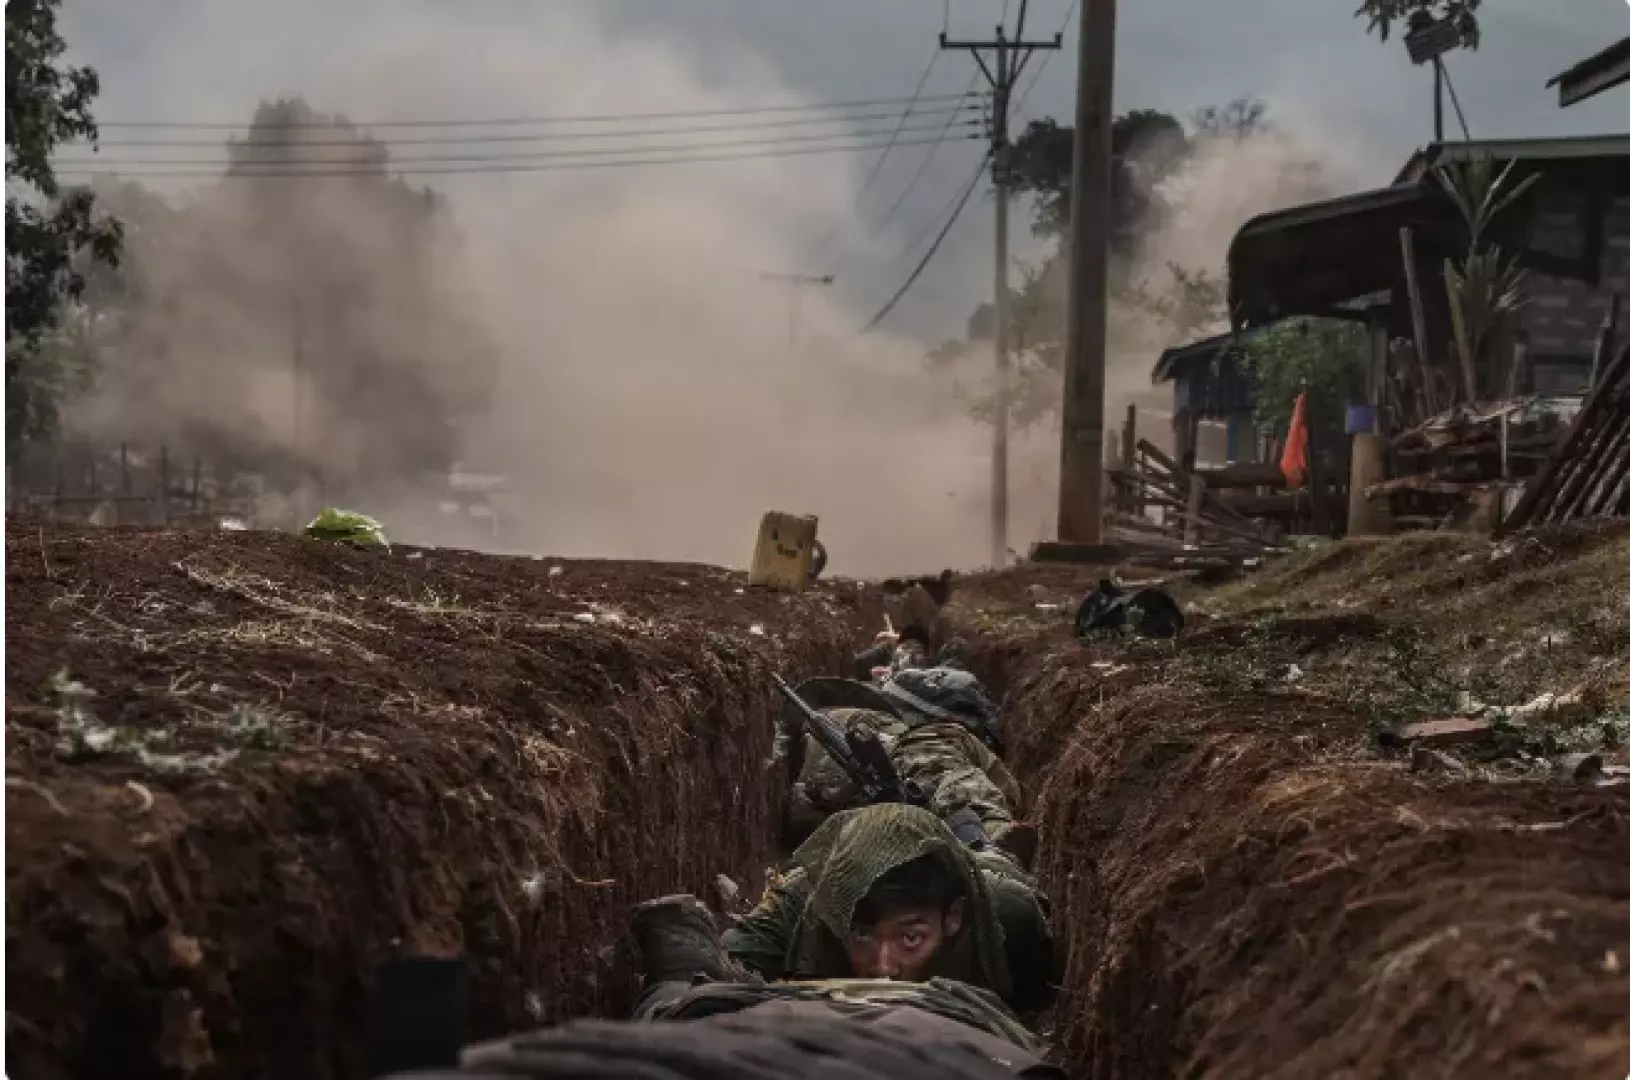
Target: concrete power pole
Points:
(797, 283)
(1081, 460)
(1007, 61)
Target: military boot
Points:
(1017, 840)
(678, 941)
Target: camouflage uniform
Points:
(929, 744)
(951, 766)
(798, 929)
(859, 1029)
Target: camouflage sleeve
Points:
(760, 940)
(1028, 941)
(950, 766)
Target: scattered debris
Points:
(1458, 463)
(1426, 760)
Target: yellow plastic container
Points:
(784, 552)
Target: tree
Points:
(49, 231)
(1326, 357)
(300, 318)
(1384, 14)
(1146, 145)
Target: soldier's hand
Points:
(886, 637)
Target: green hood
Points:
(845, 857)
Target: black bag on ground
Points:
(1150, 612)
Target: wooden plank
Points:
(1316, 487)
(1259, 474)
(1129, 455)
(1537, 496)
(1191, 518)
(1606, 339)
(1417, 314)
(1053, 551)
(1592, 460)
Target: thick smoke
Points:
(601, 338)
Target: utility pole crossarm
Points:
(797, 283)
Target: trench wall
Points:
(1243, 887)
(432, 751)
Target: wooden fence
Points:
(127, 486)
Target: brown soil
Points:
(434, 752)
(428, 750)
(1246, 887)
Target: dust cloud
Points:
(601, 339)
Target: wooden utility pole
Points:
(797, 283)
(1006, 63)
(1081, 467)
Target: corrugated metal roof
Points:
(1564, 148)
(1594, 74)
(1319, 258)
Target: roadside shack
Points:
(1467, 401)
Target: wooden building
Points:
(1571, 230)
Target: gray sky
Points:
(211, 59)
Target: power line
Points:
(933, 248)
(525, 121)
(922, 170)
(383, 171)
(953, 110)
(1035, 76)
(536, 155)
(877, 166)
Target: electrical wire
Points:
(535, 155)
(877, 166)
(933, 249)
(954, 109)
(922, 170)
(524, 121)
(1035, 76)
(386, 170)
(825, 242)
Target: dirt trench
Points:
(242, 769)
(1245, 887)
(319, 756)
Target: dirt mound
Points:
(244, 768)
(1245, 886)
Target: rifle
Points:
(858, 752)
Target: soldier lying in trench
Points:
(940, 728)
(909, 960)
(879, 892)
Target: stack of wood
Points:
(1588, 474)
(1452, 469)
(1195, 526)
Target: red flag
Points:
(1293, 462)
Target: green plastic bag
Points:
(346, 527)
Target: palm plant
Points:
(1485, 287)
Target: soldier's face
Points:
(903, 942)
